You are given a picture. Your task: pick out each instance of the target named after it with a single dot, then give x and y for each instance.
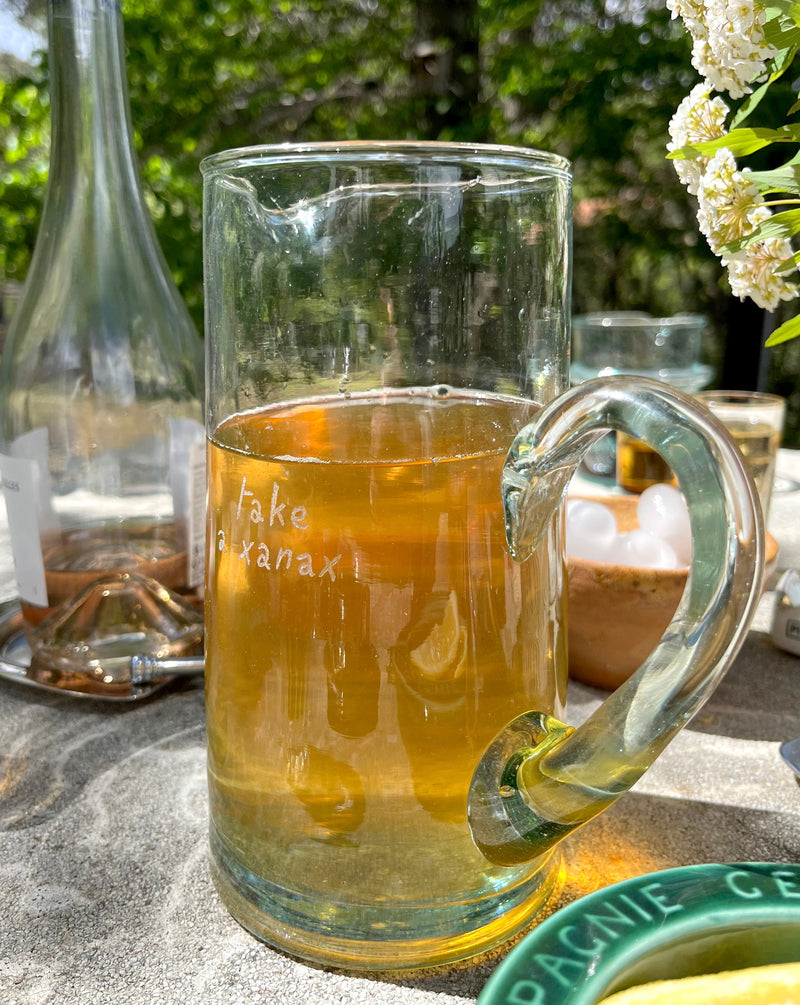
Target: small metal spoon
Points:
(131, 677)
(115, 676)
(145, 669)
(790, 752)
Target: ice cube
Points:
(644, 550)
(662, 512)
(591, 528)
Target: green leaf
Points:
(783, 33)
(782, 9)
(750, 103)
(741, 142)
(785, 224)
(782, 225)
(788, 330)
(785, 178)
(780, 65)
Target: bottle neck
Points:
(93, 165)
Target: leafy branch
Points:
(748, 217)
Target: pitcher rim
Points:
(384, 150)
(635, 321)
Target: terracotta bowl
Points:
(618, 613)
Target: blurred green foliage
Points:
(594, 80)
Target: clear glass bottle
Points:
(100, 389)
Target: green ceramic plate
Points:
(676, 923)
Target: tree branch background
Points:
(594, 80)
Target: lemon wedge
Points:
(776, 984)
(442, 653)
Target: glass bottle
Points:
(100, 390)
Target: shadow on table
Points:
(759, 697)
(75, 740)
(638, 835)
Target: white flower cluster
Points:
(756, 273)
(731, 207)
(730, 51)
(729, 48)
(698, 119)
(730, 204)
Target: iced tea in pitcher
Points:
(383, 637)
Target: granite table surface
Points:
(105, 892)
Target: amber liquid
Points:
(639, 466)
(76, 557)
(367, 636)
(758, 442)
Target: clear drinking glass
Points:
(755, 421)
(634, 342)
(383, 323)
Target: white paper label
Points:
(188, 480)
(196, 525)
(19, 487)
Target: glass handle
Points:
(540, 779)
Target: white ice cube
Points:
(591, 528)
(644, 550)
(662, 512)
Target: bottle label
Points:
(20, 491)
(28, 504)
(197, 515)
(188, 480)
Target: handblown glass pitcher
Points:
(389, 444)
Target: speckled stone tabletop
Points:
(105, 894)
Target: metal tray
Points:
(15, 658)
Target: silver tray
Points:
(15, 659)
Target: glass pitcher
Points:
(389, 443)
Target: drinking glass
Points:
(634, 342)
(755, 421)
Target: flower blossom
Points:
(697, 119)
(756, 272)
(731, 52)
(730, 205)
(729, 47)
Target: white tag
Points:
(35, 446)
(19, 487)
(196, 525)
(188, 480)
